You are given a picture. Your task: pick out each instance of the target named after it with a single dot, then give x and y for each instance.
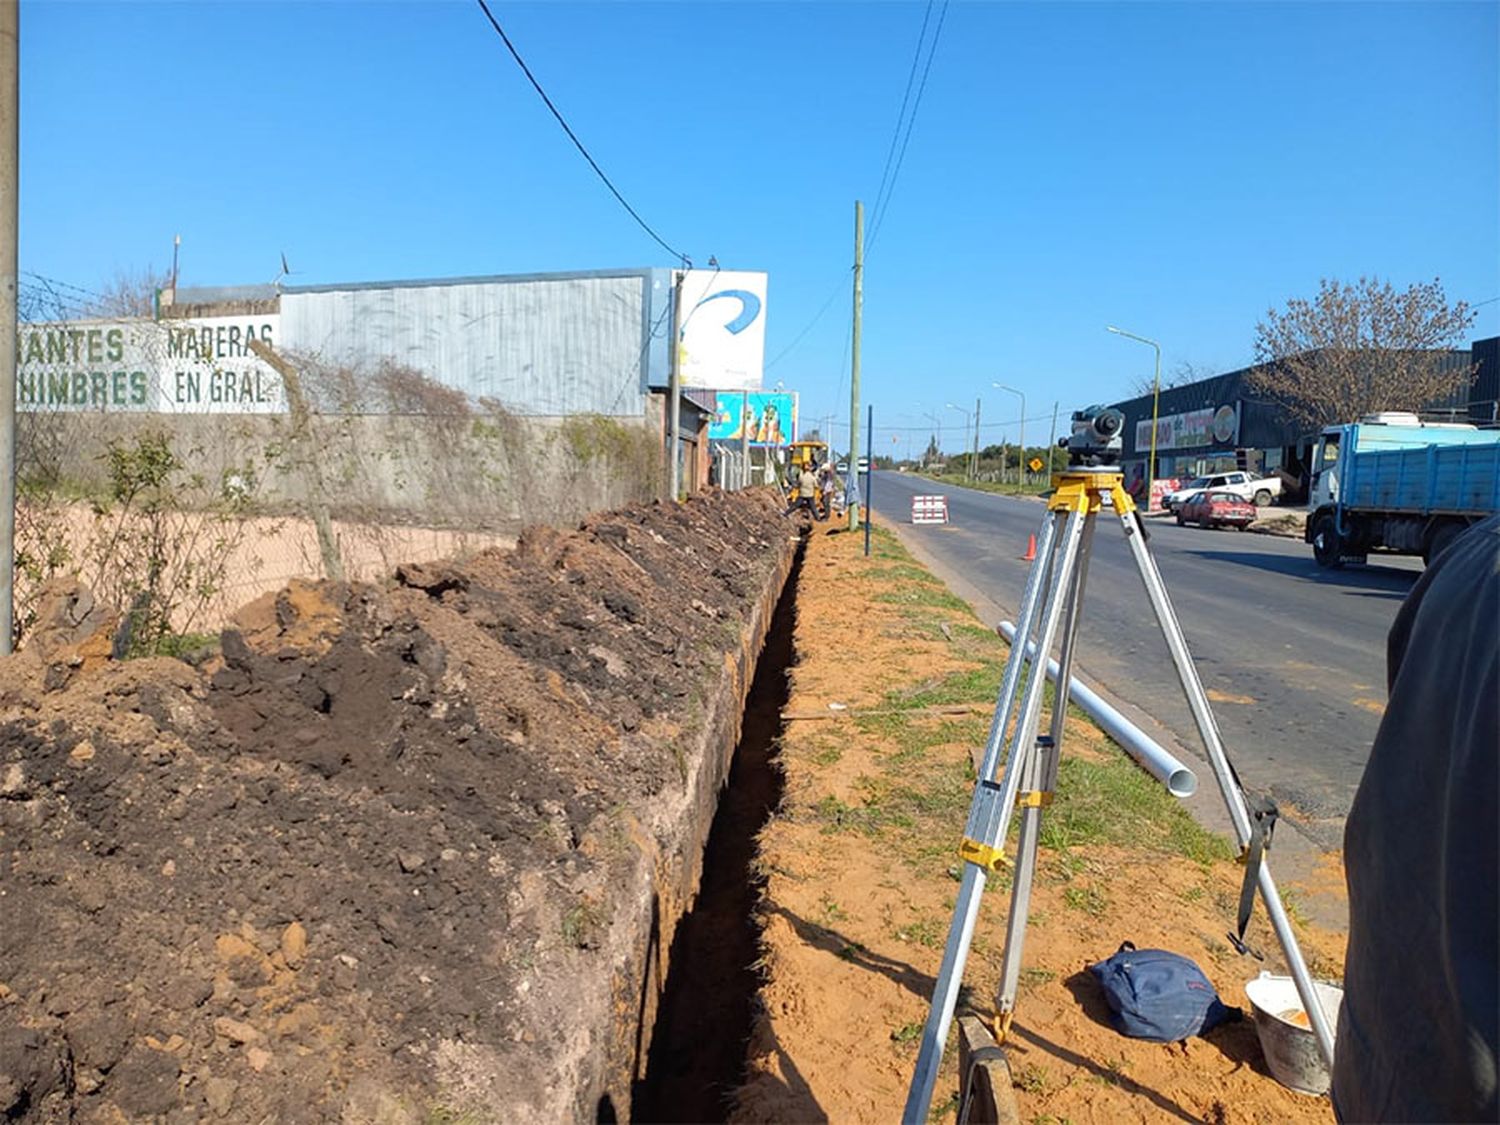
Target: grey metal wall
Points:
(547, 344)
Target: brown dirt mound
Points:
(349, 867)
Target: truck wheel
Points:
(1325, 543)
(1262, 497)
(1441, 540)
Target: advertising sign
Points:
(201, 366)
(770, 415)
(1193, 429)
(1159, 490)
(722, 338)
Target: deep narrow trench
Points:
(707, 1007)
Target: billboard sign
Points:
(200, 366)
(1193, 429)
(770, 415)
(722, 338)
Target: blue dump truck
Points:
(1396, 484)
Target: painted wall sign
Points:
(202, 366)
(722, 338)
(770, 415)
(1193, 429)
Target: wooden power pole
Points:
(10, 116)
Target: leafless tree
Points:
(1358, 348)
(1180, 376)
(131, 293)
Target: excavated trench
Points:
(703, 1019)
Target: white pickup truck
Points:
(1258, 490)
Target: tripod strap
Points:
(1263, 814)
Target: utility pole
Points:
(1051, 439)
(1021, 466)
(745, 417)
(10, 116)
(859, 300)
(974, 460)
(674, 389)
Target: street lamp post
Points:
(1155, 404)
(1021, 469)
(937, 421)
(966, 415)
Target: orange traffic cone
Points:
(1030, 555)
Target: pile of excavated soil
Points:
(364, 864)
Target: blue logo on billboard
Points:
(749, 308)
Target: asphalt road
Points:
(1293, 656)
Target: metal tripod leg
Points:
(1026, 616)
(1208, 728)
(1041, 783)
(989, 814)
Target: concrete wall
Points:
(485, 470)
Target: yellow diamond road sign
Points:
(1036, 464)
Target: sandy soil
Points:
(860, 868)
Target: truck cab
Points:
(1325, 471)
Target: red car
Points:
(1216, 509)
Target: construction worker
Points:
(807, 492)
(828, 485)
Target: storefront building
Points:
(1222, 423)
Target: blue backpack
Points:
(1153, 994)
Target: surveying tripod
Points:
(1052, 603)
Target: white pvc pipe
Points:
(1148, 754)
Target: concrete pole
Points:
(1155, 414)
(745, 417)
(1022, 469)
(1051, 440)
(10, 117)
(674, 390)
(1021, 466)
(859, 302)
(974, 460)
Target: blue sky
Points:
(1173, 169)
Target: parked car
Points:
(1216, 509)
(1261, 490)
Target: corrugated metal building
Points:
(1219, 423)
(1484, 399)
(539, 344)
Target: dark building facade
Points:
(1221, 423)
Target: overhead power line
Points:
(838, 287)
(916, 105)
(572, 136)
(911, 78)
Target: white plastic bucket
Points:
(1286, 1036)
